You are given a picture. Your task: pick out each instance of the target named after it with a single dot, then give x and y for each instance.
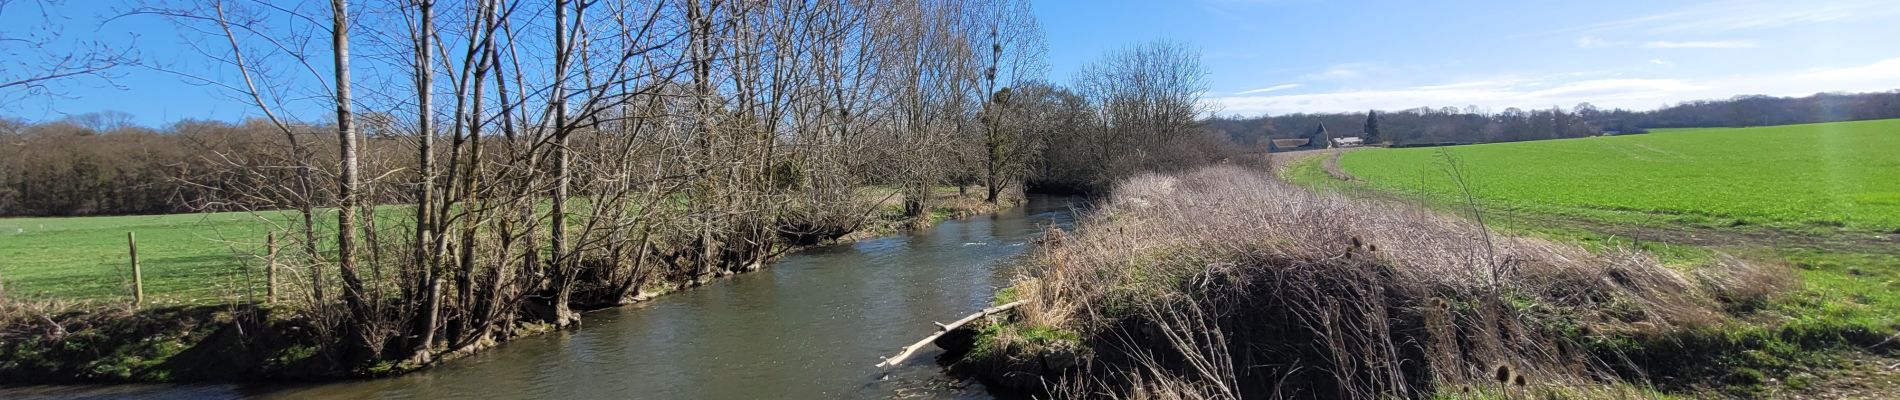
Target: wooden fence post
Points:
(138, 278)
(270, 268)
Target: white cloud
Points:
(1662, 62)
(1273, 88)
(1884, 73)
(1484, 94)
(1726, 16)
(1593, 42)
(1610, 88)
(1340, 72)
(1718, 44)
(1495, 83)
(1569, 89)
(1334, 73)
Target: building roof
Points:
(1289, 143)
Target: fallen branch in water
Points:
(946, 328)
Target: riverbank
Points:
(55, 342)
(1227, 282)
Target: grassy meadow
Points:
(186, 258)
(211, 257)
(1843, 174)
(1822, 200)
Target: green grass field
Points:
(1844, 174)
(212, 257)
(187, 258)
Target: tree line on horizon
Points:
(106, 164)
(1453, 125)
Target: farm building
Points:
(1349, 141)
(1319, 139)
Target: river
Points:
(812, 326)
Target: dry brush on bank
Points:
(1224, 282)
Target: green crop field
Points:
(1812, 176)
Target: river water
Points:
(812, 326)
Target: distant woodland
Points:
(1447, 125)
(104, 164)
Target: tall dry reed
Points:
(1225, 282)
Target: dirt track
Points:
(1283, 159)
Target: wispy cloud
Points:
(1341, 72)
(1714, 44)
(1727, 16)
(1570, 89)
(1490, 83)
(1584, 91)
(1593, 42)
(1484, 94)
(1887, 70)
(1662, 62)
(1273, 88)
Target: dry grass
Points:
(1225, 282)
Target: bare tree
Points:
(1014, 57)
(424, 247)
(927, 68)
(1147, 103)
(590, 148)
(557, 214)
(353, 288)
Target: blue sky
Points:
(1284, 56)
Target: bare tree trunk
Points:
(700, 42)
(477, 62)
(347, 185)
(304, 190)
(557, 235)
(307, 210)
(425, 194)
